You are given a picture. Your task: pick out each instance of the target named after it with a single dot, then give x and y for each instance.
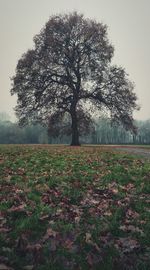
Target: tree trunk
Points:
(74, 127)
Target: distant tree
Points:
(11, 133)
(143, 134)
(106, 133)
(4, 117)
(69, 72)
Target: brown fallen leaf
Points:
(126, 245)
(112, 185)
(1, 160)
(7, 178)
(4, 230)
(77, 219)
(44, 217)
(132, 214)
(21, 171)
(42, 187)
(142, 221)
(93, 259)
(131, 228)
(127, 221)
(19, 208)
(114, 190)
(88, 238)
(18, 191)
(49, 233)
(89, 259)
(34, 247)
(68, 244)
(128, 187)
(108, 213)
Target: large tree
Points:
(69, 72)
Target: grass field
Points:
(73, 208)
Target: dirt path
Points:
(135, 150)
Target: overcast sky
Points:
(128, 29)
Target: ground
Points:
(143, 151)
(74, 208)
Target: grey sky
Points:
(128, 29)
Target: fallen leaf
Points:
(108, 213)
(77, 219)
(49, 233)
(127, 245)
(142, 221)
(93, 259)
(88, 238)
(132, 214)
(114, 190)
(44, 217)
(19, 208)
(18, 191)
(131, 228)
(4, 230)
(68, 244)
(42, 187)
(89, 259)
(7, 178)
(34, 247)
(1, 160)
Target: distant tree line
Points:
(103, 133)
(106, 133)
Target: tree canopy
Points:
(69, 74)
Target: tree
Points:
(69, 72)
(60, 124)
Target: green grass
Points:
(73, 208)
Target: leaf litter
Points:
(73, 204)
